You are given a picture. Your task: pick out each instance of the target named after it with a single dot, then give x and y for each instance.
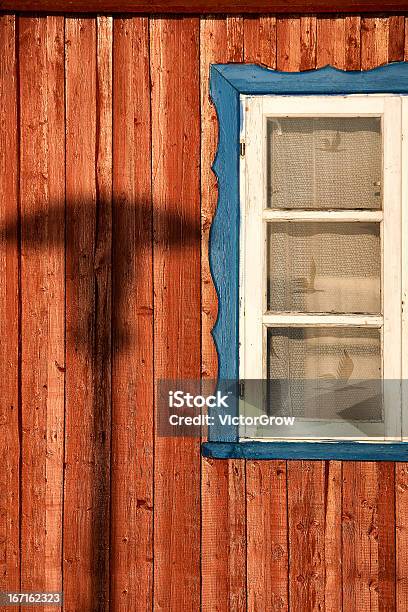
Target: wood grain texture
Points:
(260, 40)
(132, 360)
(174, 52)
(368, 536)
(353, 43)
(386, 537)
(360, 536)
(88, 236)
(223, 482)
(199, 7)
(288, 44)
(308, 26)
(43, 296)
(347, 542)
(267, 533)
(374, 42)
(401, 526)
(102, 340)
(306, 520)
(339, 42)
(9, 314)
(333, 595)
(396, 38)
(223, 536)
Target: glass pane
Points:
(324, 162)
(324, 267)
(325, 373)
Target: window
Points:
(321, 265)
(308, 252)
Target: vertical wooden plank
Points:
(176, 212)
(9, 313)
(360, 536)
(223, 482)
(235, 34)
(267, 535)
(401, 502)
(288, 43)
(223, 536)
(338, 42)
(333, 595)
(56, 304)
(330, 42)
(260, 40)
(352, 60)
(88, 265)
(267, 531)
(41, 56)
(386, 537)
(132, 366)
(374, 42)
(306, 519)
(308, 27)
(396, 38)
(102, 339)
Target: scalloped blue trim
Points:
(252, 80)
(227, 82)
(224, 237)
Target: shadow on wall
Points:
(82, 228)
(107, 247)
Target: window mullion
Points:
(321, 320)
(366, 216)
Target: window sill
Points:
(314, 451)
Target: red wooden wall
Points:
(106, 198)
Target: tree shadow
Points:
(105, 245)
(95, 253)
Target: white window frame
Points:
(254, 215)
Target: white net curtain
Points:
(324, 267)
(325, 162)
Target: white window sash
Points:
(254, 319)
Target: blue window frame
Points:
(227, 83)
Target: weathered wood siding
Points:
(106, 198)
